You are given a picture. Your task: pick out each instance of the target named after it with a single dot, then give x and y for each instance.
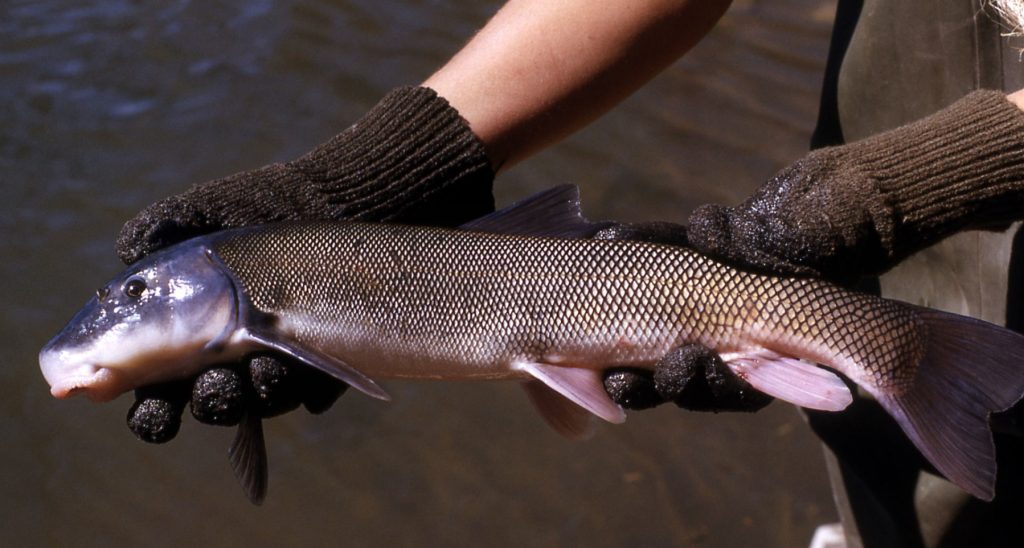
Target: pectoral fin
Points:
(581, 386)
(318, 360)
(790, 379)
(561, 414)
(248, 456)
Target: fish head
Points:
(157, 320)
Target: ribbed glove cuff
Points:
(411, 159)
(397, 160)
(961, 167)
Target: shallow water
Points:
(110, 105)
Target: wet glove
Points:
(858, 209)
(411, 159)
(691, 376)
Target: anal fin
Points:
(790, 379)
(581, 386)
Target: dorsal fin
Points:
(554, 212)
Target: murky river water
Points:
(107, 106)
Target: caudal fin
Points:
(970, 369)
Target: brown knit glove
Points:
(412, 158)
(858, 209)
(692, 376)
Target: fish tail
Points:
(969, 370)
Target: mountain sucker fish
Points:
(525, 294)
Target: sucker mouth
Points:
(95, 382)
(65, 383)
(62, 391)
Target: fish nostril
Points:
(102, 293)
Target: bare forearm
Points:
(1017, 98)
(541, 69)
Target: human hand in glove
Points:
(858, 209)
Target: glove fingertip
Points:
(320, 393)
(160, 225)
(320, 402)
(131, 241)
(631, 389)
(731, 392)
(677, 370)
(275, 387)
(710, 229)
(154, 420)
(219, 397)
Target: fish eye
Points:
(134, 287)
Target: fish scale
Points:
(477, 301)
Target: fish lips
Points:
(81, 379)
(66, 363)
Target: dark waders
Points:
(893, 62)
